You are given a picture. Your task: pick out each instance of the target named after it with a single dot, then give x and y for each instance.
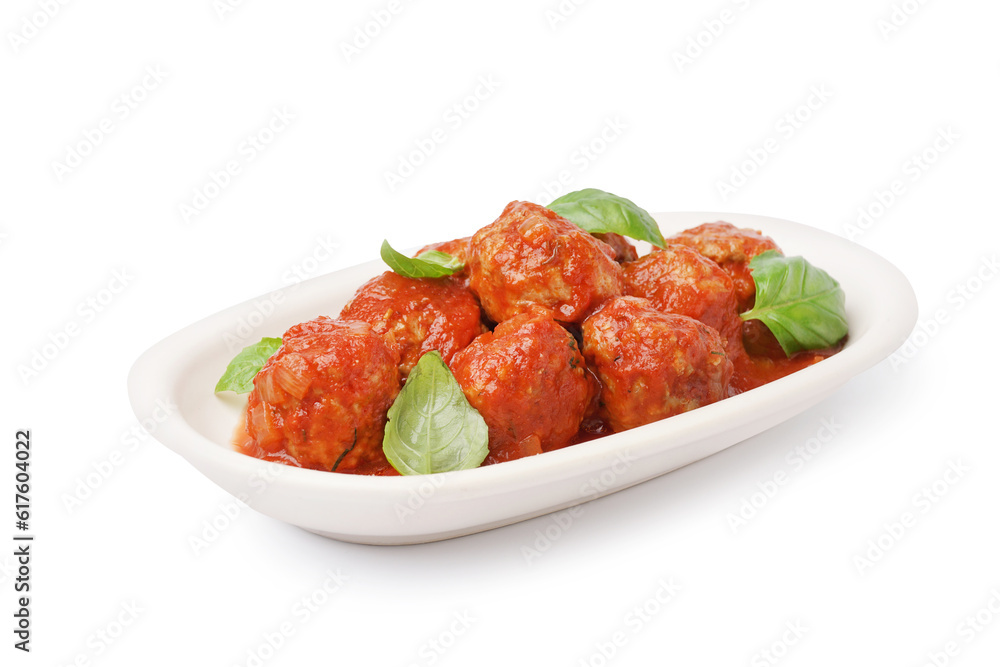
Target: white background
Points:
(117, 548)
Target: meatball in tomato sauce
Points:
(417, 315)
(531, 255)
(731, 248)
(652, 365)
(528, 380)
(678, 279)
(322, 398)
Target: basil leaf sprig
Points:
(597, 211)
(430, 264)
(240, 373)
(801, 304)
(432, 427)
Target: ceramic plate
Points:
(881, 312)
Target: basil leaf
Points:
(430, 264)
(240, 373)
(801, 304)
(432, 427)
(597, 211)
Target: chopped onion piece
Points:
(261, 429)
(269, 391)
(292, 374)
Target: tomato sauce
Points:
(760, 359)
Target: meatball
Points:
(651, 364)
(679, 280)
(322, 398)
(732, 248)
(529, 382)
(417, 315)
(531, 255)
(624, 251)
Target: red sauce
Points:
(760, 359)
(530, 256)
(592, 428)
(244, 444)
(529, 382)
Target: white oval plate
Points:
(183, 368)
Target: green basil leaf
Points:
(430, 264)
(801, 304)
(240, 373)
(432, 427)
(597, 211)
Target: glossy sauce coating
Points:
(652, 365)
(760, 359)
(529, 382)
(678, 279)
(322, 398)
(530, 255)
(417, 315)
(731, 248)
